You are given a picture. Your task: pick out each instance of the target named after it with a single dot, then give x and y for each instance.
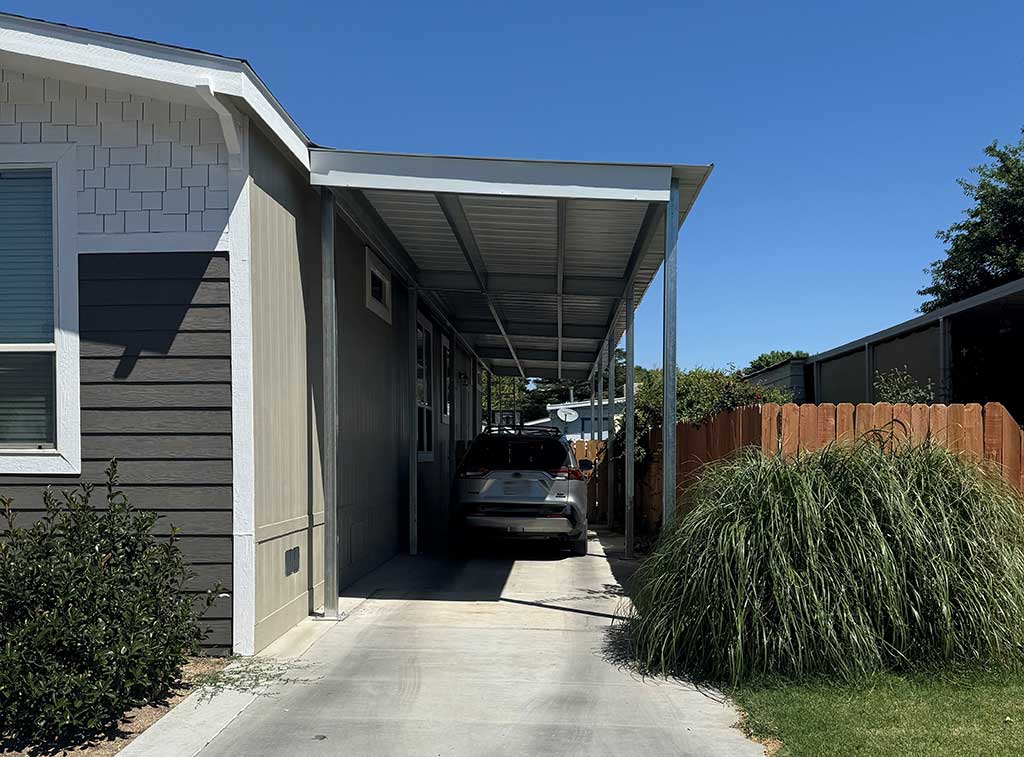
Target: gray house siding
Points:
(434, 482)
(287, 392)
(156, 394)
(788, 375)
(373, 426)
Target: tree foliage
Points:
(986, 248)
(770, 358)
(701, 394)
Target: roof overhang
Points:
(156, 70)
(1011, 293)
(636, 182)
(531, 261)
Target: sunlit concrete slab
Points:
(505, 653)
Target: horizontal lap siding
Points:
(156, 394)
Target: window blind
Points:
(28, 400)
(26, 256)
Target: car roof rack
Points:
(547, 431)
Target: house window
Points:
(39, 390)
(446, 380)
(424, 390)
(378, 286)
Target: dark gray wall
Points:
(918, 351)
(373, 402)
(842, 379)
(156, 393)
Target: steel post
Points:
(610, 449)
(629, 427)
(668, 428)
(328, 302)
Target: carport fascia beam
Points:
(490, 176)
(455, 215)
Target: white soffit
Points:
(124, 63)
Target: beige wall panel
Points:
(287, 379)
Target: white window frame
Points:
(66, 457)
(447, 380)
(375, 266)
(427, 456)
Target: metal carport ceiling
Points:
(529, 260)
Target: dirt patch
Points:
(197, 672)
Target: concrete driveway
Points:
(499, 655)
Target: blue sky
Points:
(837, 130)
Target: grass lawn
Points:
(965, 714)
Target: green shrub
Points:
(772, 357)
(93, 620)
(898, 385)
(843, 562)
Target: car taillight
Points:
(572, 474)
(474, 473)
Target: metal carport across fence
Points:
(535, 266)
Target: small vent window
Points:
(378, 286)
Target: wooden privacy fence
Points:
(979, 432)
(586, 449)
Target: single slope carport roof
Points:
(531, 261)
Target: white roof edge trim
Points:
(491, 176)
(153, 61)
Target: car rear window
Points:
(517, 453)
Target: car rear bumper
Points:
(520, 527)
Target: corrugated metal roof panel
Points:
(515, 234)
(416, 219)
(599, 236)
(518, 235)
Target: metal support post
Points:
(629, 426)
(610, 449)
(329, 313)
(668, 428)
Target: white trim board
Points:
(66, 459)
(243, 444)
(164, 241)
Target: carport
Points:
(535, 267)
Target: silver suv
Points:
(523, 483)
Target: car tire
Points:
(579, 546)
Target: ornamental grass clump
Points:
(94, 619)
(843, 562)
